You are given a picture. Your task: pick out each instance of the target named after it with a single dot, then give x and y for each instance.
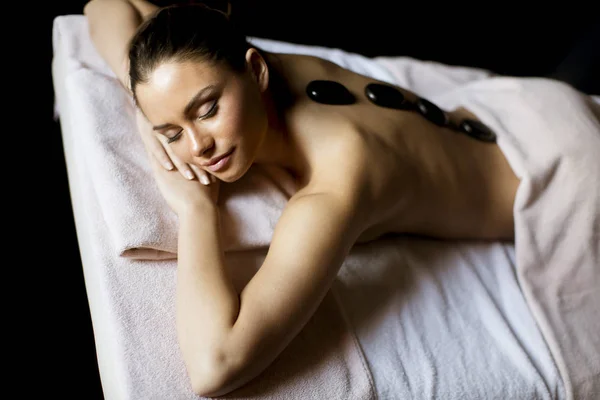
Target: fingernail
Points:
(168, 165)
(204, 179)
(189, 174)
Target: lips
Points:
(219, 162)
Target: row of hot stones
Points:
(334, 93)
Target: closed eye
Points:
(211, 112)
(174, 138)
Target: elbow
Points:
(89, 10)
(94, 10)
(89, 7)
(213, 377)
(208, 388)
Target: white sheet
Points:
(550, 135)
(434, 320)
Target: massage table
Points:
(405, 318)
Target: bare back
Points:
(403, 173)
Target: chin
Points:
(234, 174)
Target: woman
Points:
(212, 104)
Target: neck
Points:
(279, 147)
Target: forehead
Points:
(174, 82)
(175, 76)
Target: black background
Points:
(53, 330)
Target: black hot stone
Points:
(386, 96)
(432, 112)
(329, 92)
(477, 130)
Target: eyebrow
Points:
(198, 97)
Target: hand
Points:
(157, 146)
(184, 194)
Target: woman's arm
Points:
(112, 24)
(226, 341)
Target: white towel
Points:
(550, 134)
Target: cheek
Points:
(246, 120)
(232, 124)
(181, 148)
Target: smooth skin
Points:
(362, 172)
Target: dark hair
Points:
(185, 32)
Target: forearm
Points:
(207, 302)
(112, 24)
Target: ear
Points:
(258, 68)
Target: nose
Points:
(200, 144)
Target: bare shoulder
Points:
(337, 151)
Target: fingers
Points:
(158, 151)
(182, 167)
(204, 177)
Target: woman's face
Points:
(206, 111)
